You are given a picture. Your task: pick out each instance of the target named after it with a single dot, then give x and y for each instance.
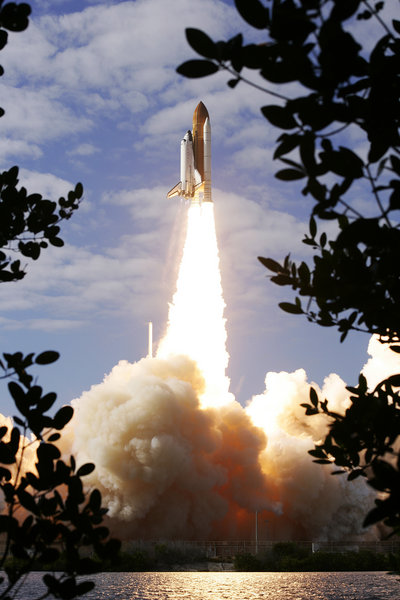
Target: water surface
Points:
(233, 586)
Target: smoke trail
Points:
(196, 327)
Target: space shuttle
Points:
(195, 183)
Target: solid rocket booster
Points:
(195, 183)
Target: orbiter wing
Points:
(176, 190)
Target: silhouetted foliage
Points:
(344, 90)
(47, 514)
(29, 222)
(46, 517)
(291, 557)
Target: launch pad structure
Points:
(228, 549)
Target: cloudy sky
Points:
(91, 95)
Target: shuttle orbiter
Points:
(195, 183)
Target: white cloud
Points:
(84, 149)
(253, 157)
(50, 186)
(37, 116)
(43, 325)
(128, 50)
(247, 229)
(17, 148)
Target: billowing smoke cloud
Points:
(315, 504)
(166, 467)
(170, 468)
(383, 362)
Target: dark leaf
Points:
(313, 397)
(201, 43)
(45, 403)
(15, 438)
(379, 146)
(317, 453)
(51, 583)
(56, 241)
(62, 417)
(78, 190)
(84, 587)
(288, 143)
(233, 82)
(396, 25)
(197, 68)
(281, 279)
(85, 469)
(394, 380)
(27, 501)
(48, 452)
(289, 174)
(253, 12)
(279, 116)
(395, 162)
(290, 308)
(344, 9)
(270, 264)
(95, 500)
(5, 474)
(45, 358)
(313, 227)
(3, 38)
(374, 516)
(354, 474)
(16, 391)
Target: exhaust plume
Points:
(178, 458)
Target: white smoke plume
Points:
(167, 467)
(170, 468)
(383, 362)
(315, 504)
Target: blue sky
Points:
(91, 95)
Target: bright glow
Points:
(196, 326)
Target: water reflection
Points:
(234, 586)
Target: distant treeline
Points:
(156, 558)
(287, 556)
(283, 556)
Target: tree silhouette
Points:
(354, 281)
(47, 519)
